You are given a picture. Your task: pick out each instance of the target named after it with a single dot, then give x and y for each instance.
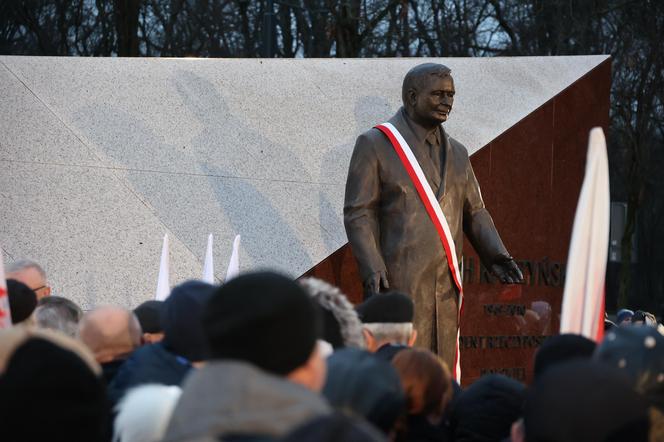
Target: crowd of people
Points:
(265, 358)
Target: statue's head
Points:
(428, 93)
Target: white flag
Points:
(234, 263)
(163, 285)
(583, 298)
(5, 313)
(208, 266)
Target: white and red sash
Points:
(436, 214)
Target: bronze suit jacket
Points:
(389, 229)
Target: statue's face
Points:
(433, 104)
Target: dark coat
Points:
(389, 229)
(110, 369)
(419, 429)
(150, 364)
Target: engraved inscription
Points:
(495, 342)
(518, 373)
(505, 309)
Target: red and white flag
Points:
(5, 313)
(583, 297)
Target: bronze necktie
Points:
(434, 151)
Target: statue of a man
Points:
(393, 235)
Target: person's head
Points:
(425, 379)
(51, 390)
(639, 353)
(31, 274)
(428, 93)
(58, 313)
(144, 412)
(341, 325)
(110, 332)
(644, 318)
(267, 320)
(362, 384)
(22, 301)
(486, 410)
(562, 348)
(149, 316)
(182, 320)
(624, 317)
(387, 318)
(585, 401)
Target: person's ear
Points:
(412, 97)
(413, 338)
(312, 373)
(47, 291)
(370, 340)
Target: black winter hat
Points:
(584, 401)
(562, 348)
(149, 316)
(22, 300)
(43, 376)
(263, 318)
(486, 410)
(181, 318)
(386, 307)
(638, 352)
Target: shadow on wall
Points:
(172, 178)
(243, 201)
(368, 111)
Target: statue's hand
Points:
(376, 281)
(507, 272)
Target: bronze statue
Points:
(391, 234)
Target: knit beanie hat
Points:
(562, 348)
(639, 353)
(70, 397)
(367, 386)
(262, 318)
(390, 307)
(623, 314)
(486, 410)
(22, 300)
(181, 319)
(149, 316)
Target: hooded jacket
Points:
(231, 398)
(150, 364)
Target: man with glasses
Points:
(31, 274)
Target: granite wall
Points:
(101, 157)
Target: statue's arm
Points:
(483, 235)
(361, 208)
